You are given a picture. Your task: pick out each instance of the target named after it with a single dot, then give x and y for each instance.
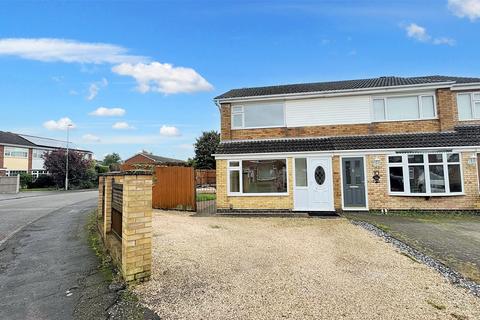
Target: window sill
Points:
(424, 195)
(267, 127)
(404, 120)
(258, 194)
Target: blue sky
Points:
(155, 66)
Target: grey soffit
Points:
(332, 86)
(15, 139)
(462, 136)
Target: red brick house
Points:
(146, 160)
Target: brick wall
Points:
(379, 198)
(251, 202)
(447, 109)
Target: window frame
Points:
(419, 104)
(473, 101)
(8, 154)
(426, 167)
(242, 113)
(240, 169)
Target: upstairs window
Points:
(258, 116)
(38, 154)
(13, 152)
(404, 108)
(468, 105)
(425, 174)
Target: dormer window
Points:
(265, 115)
(468, 105)
(398, 108)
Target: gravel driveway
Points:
(291, 268)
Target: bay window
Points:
(468, 105)
(396, 108)
(425, 174)
(258, 116)
(257, 177)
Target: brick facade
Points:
(30, 156)
(379, 198)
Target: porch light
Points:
(376, 162)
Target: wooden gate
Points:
(117, 209)
(174, 188)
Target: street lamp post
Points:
(66, 169)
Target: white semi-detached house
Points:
(24, 153)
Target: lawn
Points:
(451, 238)
(289, 268)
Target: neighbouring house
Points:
(391, 143)
(146, 160)
(21, 153)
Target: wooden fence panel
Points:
(204, 177)
(174, 188)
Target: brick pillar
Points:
(447, 109)
(101, 182)
(137, 227)
(2, 172)
(226, 122)
(30, 155)
(107, 218)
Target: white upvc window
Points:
(401, 108)
(14, 152)
(262, 177)
(262, 115)
(468, 105)
(425, 174)
(38, 153)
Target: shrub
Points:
(25, 180)
(43, 181)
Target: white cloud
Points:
(92, 91)
(122, 125)
(169, 131)
(417, 32)
(465, 8)
(420, 33)
(108, 112)
(94, 88)
(90, 138)
(69, 51)
(163, 77)
(60, 124)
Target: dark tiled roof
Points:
(342, 85)
(162, 159)
(12, 138)
(462, 136)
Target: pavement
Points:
(452, 239)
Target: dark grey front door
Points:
(353, 183)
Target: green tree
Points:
(205, 146)
(112, 161)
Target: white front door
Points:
(320, 184)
